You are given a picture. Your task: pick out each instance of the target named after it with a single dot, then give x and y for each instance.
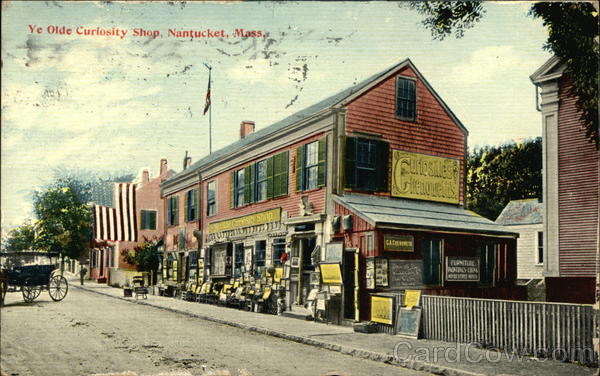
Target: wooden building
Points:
(361, 193)
(571, 191)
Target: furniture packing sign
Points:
(382, 309)
(425, 177)
(462, 269)
(398, 243)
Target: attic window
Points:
(406, 99)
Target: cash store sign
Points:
(425, 177)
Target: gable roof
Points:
(394, 212)
(522, 212)
(550, 70)
(337, 100)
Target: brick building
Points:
(359, 194)
(571, 180)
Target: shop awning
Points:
(384, 212)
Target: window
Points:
(218, 256)
(148, 221)
(278, 250)
(366, 163)
(239, 186)
(239, 260)
(405, 99)
(540, 248)
(191, 205)
(173, 211)
(310, 165)
(432, 261)
(211, 198)
(260, 189)
(260, 255)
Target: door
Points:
(349, 279)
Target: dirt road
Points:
(88, 334)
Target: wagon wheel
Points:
(58, 287)
(30, 292)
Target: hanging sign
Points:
(425, 177)
(331, 274)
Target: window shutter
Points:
(143, 220)
(186, 205)
(284, 173)
(176, 210)
(169, 209)
(431, 261)
(270, 174)
(299, 169)
(249, 184)
(350, 162)
(322, 167)
(231, 189)
(152, 220)
(382, 169)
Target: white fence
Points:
(562, 331)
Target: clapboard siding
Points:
(527, 246)
(434, 132)
(578, 183)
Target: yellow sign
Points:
(425, 177)
(411, 298)
(331, 274)
(401, 243)
(255, 219)
(382, 309)
(278, 275)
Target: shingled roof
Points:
(326, 103)
(522, 212)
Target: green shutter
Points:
(152, 220)
(143, 220)
(186, 203)
(382, 169)
(431, 261)
(249, 184)
(284, 173)
(299, 169)
(176, 210)
(231, 189)
(322, 167)
(350, 162)
(169, 210)
(270, 175)
(487, 263)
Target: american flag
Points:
(207, 105)
(120, 223)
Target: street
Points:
(88, 334)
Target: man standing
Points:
(82, 271)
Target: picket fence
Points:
(560, 331)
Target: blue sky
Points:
(110, 103)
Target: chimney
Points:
(187, 161)
(246, 128)
(145, 177)
(163, 167)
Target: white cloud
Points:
(487, 64)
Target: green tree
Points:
(64, 219)
(19, 239)
(572, 37)
(144, 256)
(499, 174)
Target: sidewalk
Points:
(423, 355)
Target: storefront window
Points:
(218, 256)
(278, 250)
(261, 249)
(239, 260)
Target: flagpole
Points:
(209, 112)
